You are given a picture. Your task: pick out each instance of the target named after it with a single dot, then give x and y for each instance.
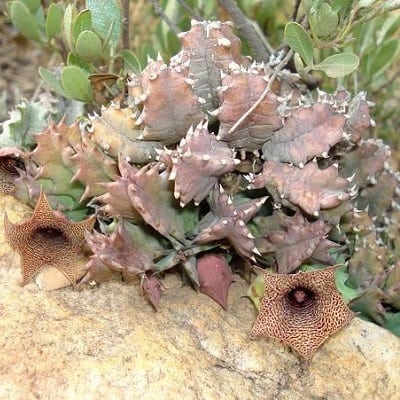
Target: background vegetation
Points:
(89, 38)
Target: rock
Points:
(107, 342)
(50, 278)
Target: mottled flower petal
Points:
(47, 238)
(301, 310)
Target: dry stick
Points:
(190, 11)
(160, 12)
(295, 10)
(278, 69)
(256, 41)
(125, 24)
(39, 86)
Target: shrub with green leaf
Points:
(88, 41)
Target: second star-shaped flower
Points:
(47, 238)
(301, 310)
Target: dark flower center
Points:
(300, 297)
(9, 165)
(48, 235)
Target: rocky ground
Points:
(19, 62)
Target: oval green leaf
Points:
(392, 322)
(256, 291)
(299, 40)
(24, 21)
(52, 80)
(68, 18)
(298, 63)
(323, 21)
(88, 46)
(54, 20)
(32, 5)
(106, 15)
(347, 292)
(83, 22)
(131, 62)
(76, 83)
(338, 65)
(74, 59)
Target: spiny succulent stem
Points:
(267, 89)
(125, 24)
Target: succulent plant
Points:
(177, 186)
(215, 277)
(197, 163)
(293, 240)
(208, 49)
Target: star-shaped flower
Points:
(301, 310)
(47, 238)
